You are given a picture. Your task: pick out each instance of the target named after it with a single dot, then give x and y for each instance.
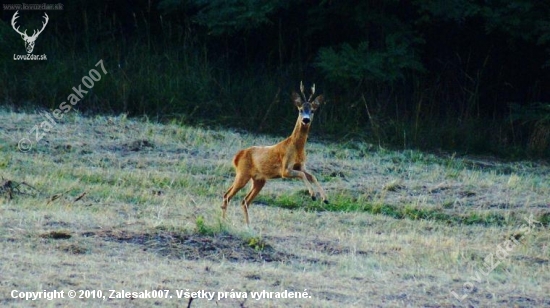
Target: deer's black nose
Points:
(306, 120)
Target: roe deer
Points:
(285, 159)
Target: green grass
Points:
(347, 204)
(104, 216)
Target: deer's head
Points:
(29, 40)
(306, 107)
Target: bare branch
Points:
(80, 197)
(11, 188)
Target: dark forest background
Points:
(452, 75)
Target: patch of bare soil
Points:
(327, 247)
(138, 145)
(56, 235)
(198, 247)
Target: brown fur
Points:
(285, 159)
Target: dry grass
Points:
(133, 205)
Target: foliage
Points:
(203, 229)
(256, 242)
(227, 17)
(537, 116)
(358, 64)
(536, 113)
(420, 74)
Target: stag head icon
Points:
(29, 40)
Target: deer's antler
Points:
(302, 90)
(13, 24)
(43, 26)
(34, 33)
(312, 92)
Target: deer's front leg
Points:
(313, 179)
(290, 173)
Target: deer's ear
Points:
(297, 99)
(318, 101)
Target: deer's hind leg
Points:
(239, 182)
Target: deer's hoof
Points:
(313, 198)
(325, 201)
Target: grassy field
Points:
(110, 203)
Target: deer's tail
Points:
(238, 157)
